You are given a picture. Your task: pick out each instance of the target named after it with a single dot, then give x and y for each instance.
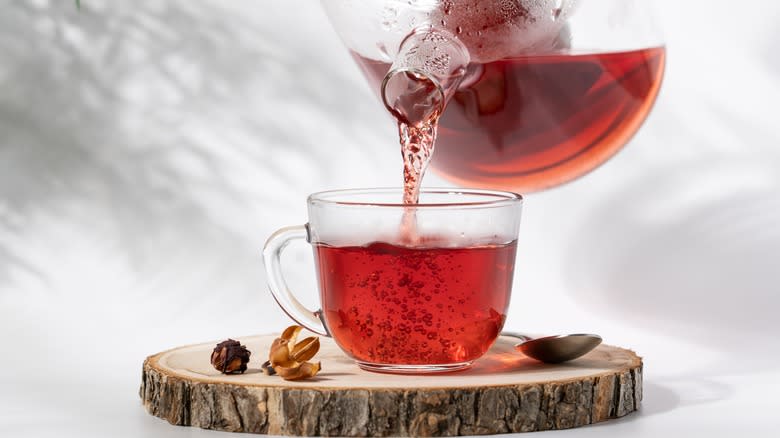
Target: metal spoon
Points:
(556, 349)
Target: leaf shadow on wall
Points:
(148, 126)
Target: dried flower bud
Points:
(306, 349)
(289, 359)
(279, 355)
(230, 357)
(291, 333)
(303, 371)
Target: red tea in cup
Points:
(427, 304)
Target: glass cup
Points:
(406, 289)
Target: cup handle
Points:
(272, 252)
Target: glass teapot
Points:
(529, 94)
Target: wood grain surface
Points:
(503, 392)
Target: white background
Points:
(148, 149)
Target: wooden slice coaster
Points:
(503, 392)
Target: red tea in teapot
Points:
(530, 122)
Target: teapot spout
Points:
(430, 65)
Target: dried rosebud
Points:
(230, 357)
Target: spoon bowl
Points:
(556, 349)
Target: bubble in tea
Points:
(495, 29)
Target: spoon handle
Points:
(520, 336)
